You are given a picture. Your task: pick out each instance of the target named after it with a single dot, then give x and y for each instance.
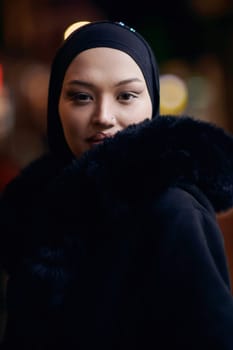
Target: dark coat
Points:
(121, 249)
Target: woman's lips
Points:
(98, 138)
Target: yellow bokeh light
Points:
(73, 27)
(173, 94)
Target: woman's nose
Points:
(104, 115)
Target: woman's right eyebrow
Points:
(80, 83)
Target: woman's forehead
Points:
(103, 58)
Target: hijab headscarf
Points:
(110, 34)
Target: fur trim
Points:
(142, 160)
(145, 158)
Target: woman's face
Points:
(103, 92)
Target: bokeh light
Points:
(73, 27)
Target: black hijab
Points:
(96, 34)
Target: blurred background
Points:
(192, 40)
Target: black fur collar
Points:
(144, 159)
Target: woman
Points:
(111, 240)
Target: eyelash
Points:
(78, 96)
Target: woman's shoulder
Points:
(184, 197)
(179, 206)
(186, 217)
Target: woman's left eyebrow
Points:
(127, 81)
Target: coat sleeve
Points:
(9, 239)
(195, 294)
(21, 205)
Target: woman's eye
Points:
(126, 96)
(78, 96)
